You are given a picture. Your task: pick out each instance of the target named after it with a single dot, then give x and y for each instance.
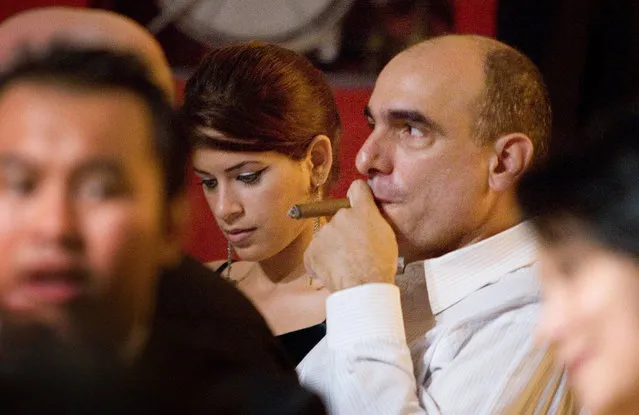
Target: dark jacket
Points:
(209, 352)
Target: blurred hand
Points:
(356, 247)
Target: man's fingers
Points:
(360, 194)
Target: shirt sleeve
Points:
(364, 365)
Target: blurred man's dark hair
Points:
(95, 69)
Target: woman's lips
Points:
(237, 236)
(574, 366)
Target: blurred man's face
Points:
(82, 236)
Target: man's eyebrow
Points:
(408, 115)
(102, 164)
(105, 165)
(11, 160)
(367, 112)
(416, 117)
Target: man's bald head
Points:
(512, 98)
(37, 28)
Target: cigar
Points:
(327, 207)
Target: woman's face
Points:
(250, 195)
(590, 316)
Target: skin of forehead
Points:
(453, 62)
(85, 27)
(458, 56)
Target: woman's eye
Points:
(568, 268)
(209, 183)
(250, 178)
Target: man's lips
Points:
(384, 197)
(52, 287)
(384, 190)
(381, 201)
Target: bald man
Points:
(36, 28)
(455, 122)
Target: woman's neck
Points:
(288, 265)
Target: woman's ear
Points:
(319, 158)
(512, 156)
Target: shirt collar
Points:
(454, 276)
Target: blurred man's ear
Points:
(175, 223)
(511, 158)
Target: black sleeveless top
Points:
(297, 343)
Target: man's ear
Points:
(319, 158)
(512, 156)
(175, 221)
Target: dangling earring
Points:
(229, 260)
(316, 220)
(316, 227)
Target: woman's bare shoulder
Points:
(215, 264)
(237, 265)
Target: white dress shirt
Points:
(475, 360)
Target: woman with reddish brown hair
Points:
(265, 130)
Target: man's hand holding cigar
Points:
(357, 246)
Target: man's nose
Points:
(375, 156)
(55, 216)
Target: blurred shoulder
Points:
(214, 265)
(238, 266)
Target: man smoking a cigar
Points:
(455, 121)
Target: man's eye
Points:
(414, 131)
(209, 184)
(416, 138)
(19, 185)
(371, 123)
(250, 178)
(100, 188)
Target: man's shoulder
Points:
(193, 290)
(202, 317)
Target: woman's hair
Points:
(254, 97)
(595, 192)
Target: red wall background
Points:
(204, 241)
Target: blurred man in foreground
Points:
(36, 28)
(92, 171)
